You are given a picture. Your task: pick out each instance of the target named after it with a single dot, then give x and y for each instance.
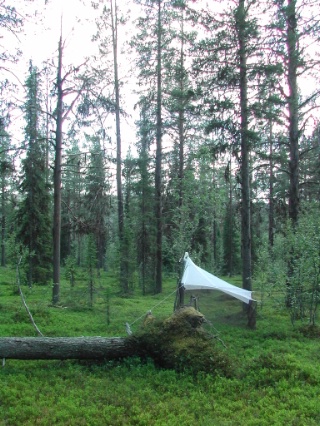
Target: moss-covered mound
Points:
(180, 342)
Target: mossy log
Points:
(66, 348)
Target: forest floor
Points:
(275, 379)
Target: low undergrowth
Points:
(269, 376)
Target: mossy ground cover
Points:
(275, 377)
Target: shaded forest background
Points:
(224, 162)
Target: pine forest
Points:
(133, 132)
(192, 127)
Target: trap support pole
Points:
(179, 303)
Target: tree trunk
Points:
(245, 149)
(245, 152)
(123, 246)
(3, 223)
(181, 120)
(158, 171)
(293, 100)
(67, 347)
(57, 184)
(271, 190)
(231, 224)
(293, 105)
(144, 258)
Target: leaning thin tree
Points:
(60, 115)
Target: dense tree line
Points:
(224, 162)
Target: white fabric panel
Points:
(195, 278)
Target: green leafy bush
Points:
(289, 272)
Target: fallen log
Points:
(66, 348)
(178, 342)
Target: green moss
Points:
(181, 343)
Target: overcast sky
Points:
(42, 29)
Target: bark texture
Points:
(66, 348)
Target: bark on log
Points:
(66, 348)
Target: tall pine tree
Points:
(33, 215)
(95, 200)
